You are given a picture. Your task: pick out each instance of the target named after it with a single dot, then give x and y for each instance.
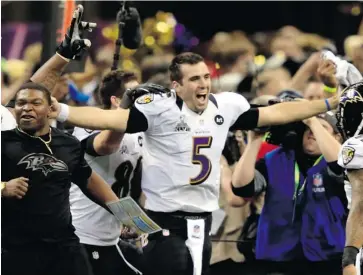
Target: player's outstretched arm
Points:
(91, 117)
(287, 112)
(354, 228)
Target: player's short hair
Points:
(183, 58)
(113, 84)
(35, 86)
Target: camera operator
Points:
(301, 227)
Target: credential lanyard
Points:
(298, 191)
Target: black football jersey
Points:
(43, 214)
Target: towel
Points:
(346, 73)
(358, 262)
(195, 243)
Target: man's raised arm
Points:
(72, 47)
(48, 74)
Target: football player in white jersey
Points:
(114, 156)
(7, 119)
(185, 132)
(350, 123)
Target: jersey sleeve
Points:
(82, 170)
(144, 111)
(351, 153)
(7, 119)
(234, 103)
(82, 134)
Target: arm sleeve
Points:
(257, 185)
(82, 171)
(137, 121)
(87, 145)
(335, 171)
(247, 121)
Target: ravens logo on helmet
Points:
(350, 111)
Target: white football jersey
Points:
(94, 225)
(183, 149)
(8, 121)
(351, 157)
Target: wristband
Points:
(329, 89)
(64, 112)
(327, 104)
(3, 185)
(349, 255)
(64, 58)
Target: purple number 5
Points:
(200, 159)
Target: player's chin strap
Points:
(360, 127)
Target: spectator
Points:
(272, 81)
(310, 218)
(314, 90)
(353, 46)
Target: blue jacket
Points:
(315, 230)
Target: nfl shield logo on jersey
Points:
(196, 232)
(347, 154)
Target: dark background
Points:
(205, 18)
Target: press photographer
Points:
(304, 201)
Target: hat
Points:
(331, 119)
(289, 94)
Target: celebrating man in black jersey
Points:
(38, 165)
(36, 220)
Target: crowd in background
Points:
(261, 66)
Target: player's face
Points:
(195, 86)
(310, 145)
(116, 101)
(31, 110)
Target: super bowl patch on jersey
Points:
(145, 99)
(347, 154)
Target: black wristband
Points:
(349, 255)
(247, 191)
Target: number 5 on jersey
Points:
(200, 159)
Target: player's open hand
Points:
(73, 44)
(127, 233)
(326, 71)
(55, 108)
(15, 188)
